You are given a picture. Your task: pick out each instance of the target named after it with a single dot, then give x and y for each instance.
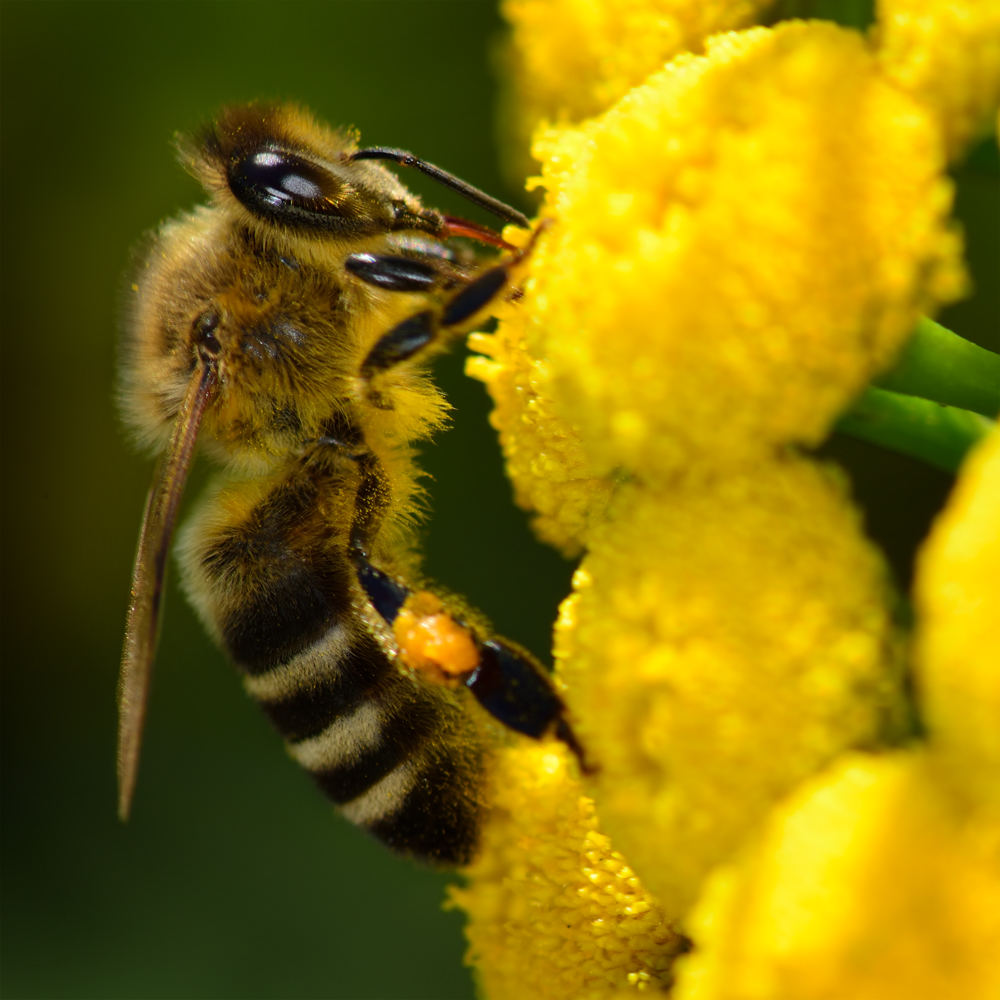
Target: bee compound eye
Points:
(204, 332)
(275, 182)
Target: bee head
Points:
(282, 174)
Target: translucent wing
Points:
(142, 626)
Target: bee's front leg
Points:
(407, 339)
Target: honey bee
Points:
(285, 329)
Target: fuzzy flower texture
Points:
(741, 227)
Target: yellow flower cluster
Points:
(958, 603)
(881, 878)
(772, 214)
(871, 882)
(551, 473)
(730, 254)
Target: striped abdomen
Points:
(402, 758)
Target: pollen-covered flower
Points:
(570, 59)
(872, 882)
(881, 877)
(958, 601)
(736, 248)
(726, 638)
(554, 911)
(551, 472)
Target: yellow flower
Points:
(958, 601)
(881, 878)
(946, 55)
(726, 639)
(871, 882)
(737, 247)
(570, 59)
(555, 912)
(546, 462)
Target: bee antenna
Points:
(466, 190)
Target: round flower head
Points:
(570, 59)
(554, 911)
(727, 637)
(958, 601)
(736, 248)
(947, 56)
(871, 882)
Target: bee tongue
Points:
(142, 627)
(474, 231)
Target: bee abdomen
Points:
(399, 757)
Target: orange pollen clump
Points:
(431, 641)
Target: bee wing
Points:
(142, 626)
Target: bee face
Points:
(284, 327)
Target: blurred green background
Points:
(234, 878)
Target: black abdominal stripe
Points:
(391, 753)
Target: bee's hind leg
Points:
(386, 593)
(503, 677)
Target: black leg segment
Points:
(400, 343)
(408, 338)
(514, 690)
(394, 274)
(475, 296)
(387, 594)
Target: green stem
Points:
(939, 435)
(940, 365)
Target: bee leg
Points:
(386, 594)
(407, 339)
(516, 690)
(401, 343)
(371, 500)
(393, 274)
(505, 679)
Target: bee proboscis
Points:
(284, 329)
